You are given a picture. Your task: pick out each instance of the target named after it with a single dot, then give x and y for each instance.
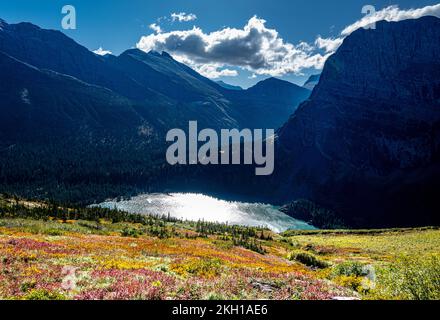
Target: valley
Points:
(342, 203)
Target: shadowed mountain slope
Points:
(366, 144)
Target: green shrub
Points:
(131, 232)
(352, 282)
(42, 294)
(410, 278)
(354, 275)
(308, 259)
(350, 268)
(205, 267)
(26, 286)
(53, 232)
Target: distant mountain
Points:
(264, 105)
(228, 86)
(73, 119)
(311, 83)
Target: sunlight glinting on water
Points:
(194, 207)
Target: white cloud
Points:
(392, 13)
(183, 17)
(328, 44)
(213, 71)
(155, 27)
(101, 52)
(255, 47)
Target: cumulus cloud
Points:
(255, 47)
(213, 71)
(183, 17)
(101, 52)
(155, 27)
(392, 13)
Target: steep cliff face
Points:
(366, 144)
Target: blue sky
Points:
(118, 25)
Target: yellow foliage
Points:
(122, 264)
(352, 282)
(198, 267)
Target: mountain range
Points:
(364, 144)
(171, 92)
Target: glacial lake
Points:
(194, 207)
